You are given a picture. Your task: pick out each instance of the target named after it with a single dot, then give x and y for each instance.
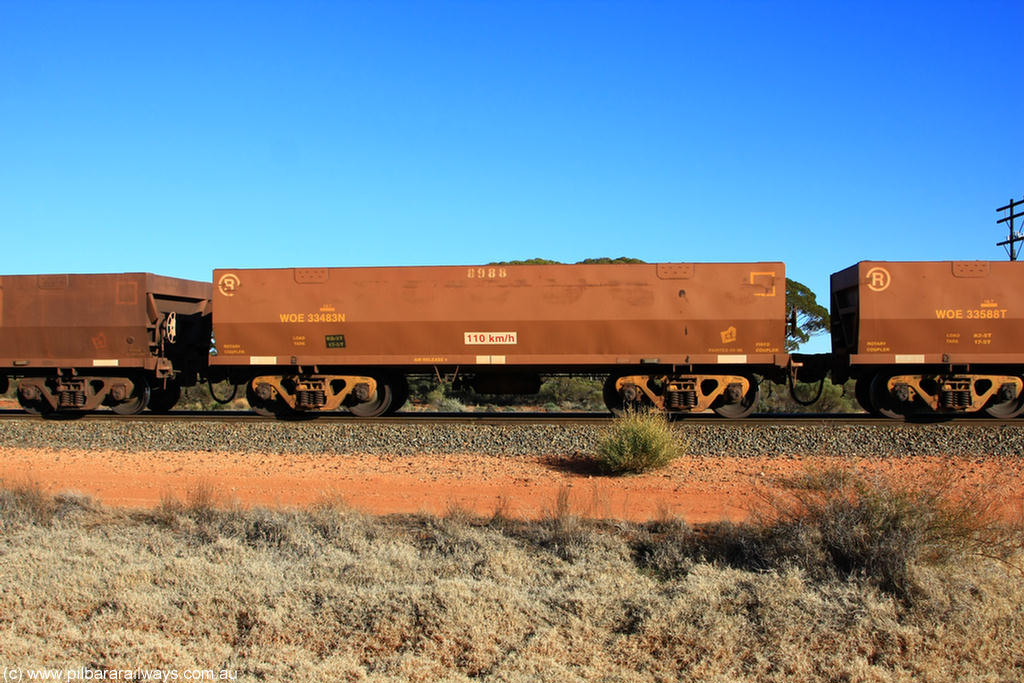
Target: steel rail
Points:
(421, 418)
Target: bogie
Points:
(898, 395)
(124, 395)
(291, 395)
(731, 396)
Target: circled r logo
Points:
(878, 279)
(228, 283)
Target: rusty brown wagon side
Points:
(127, 340)
(680, 336)
(936, 336)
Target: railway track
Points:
(500, 419)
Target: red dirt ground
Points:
(696, 489)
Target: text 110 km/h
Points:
(491, 338)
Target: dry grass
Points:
(884, 528)
(327, 593)
(839, 524)
(25, 502)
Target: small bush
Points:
(637, 442)
(25, 503)
(202, 502)
(572, 393)
(834, 398)
(449, 405)
(881, 529)
(439, 399)
(839, 524)
(198, 397)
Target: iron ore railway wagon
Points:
(931, 336)
(918, 337)
(677, 336)
(126, 340)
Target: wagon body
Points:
(77, 341)
(931, 336)
(934, 312)
(542, 316)
(102, 320)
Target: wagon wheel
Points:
(258, 405)
(380, 404)
(162, 399)
(613, 399)
(136, 403)
(882, 401)
(862, 392)
(1007, 409)
(39, 406)
(744, 407)
(399, 394)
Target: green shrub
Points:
(198, 397)
(440, 399)
(572, 392)
(449, 405)
(834, 398)
(637, 442)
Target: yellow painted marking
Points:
(228, 283)
(486, 273)
(312, 317)
(970, 313)
(879, 279)
(765, 279)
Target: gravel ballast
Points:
(749, 440)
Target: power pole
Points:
(1011, 242)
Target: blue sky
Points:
(179, 137)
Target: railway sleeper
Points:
(728, 395)
(896, 395)
(310, 393)
(125, 395)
